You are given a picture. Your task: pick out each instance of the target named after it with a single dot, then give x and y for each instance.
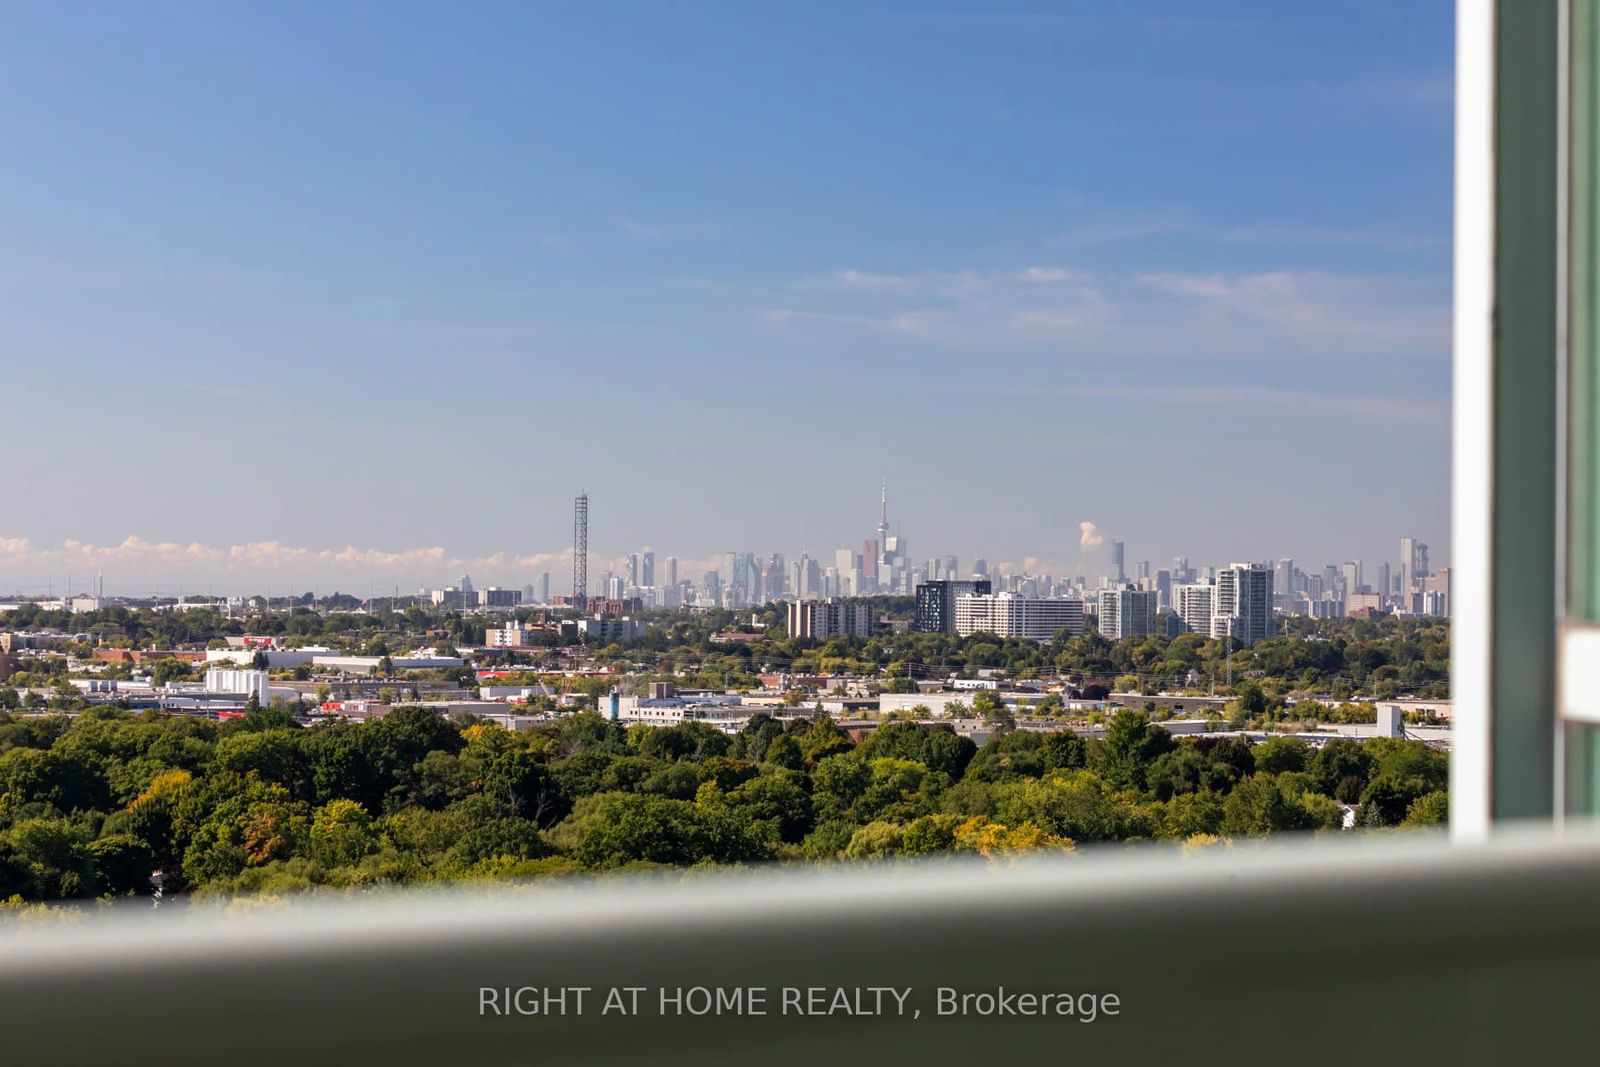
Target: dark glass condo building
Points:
(936, 604)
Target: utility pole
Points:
(1230, 655)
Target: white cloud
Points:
(134, 548)
(544, 559)
(1043, 275)
(1311, 303)
(257, 555)
(639, 231)
(1261, 315)
(954, 307)
(138, 561)
(952, 285)
(881, 282)
(694, 569)
(1139, 228)
(1089, 536)
(135, 564)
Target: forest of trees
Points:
(91, 805)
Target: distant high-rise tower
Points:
(809, 585)
(580, 552)
(647, 568)
(883, 516)
(1412, 553)
(1116, 562)
(1126, 612)
(1243, 604)
(1350, 573)
(773, 578)
(848, 564)
(1195, 604)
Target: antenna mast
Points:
(580, 552)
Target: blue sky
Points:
(334, 294)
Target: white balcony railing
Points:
(1387, 949)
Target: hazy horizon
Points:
(127, 569)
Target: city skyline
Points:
(138, 568)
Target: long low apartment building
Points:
(1011, 615)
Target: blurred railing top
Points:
(1451, 950)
